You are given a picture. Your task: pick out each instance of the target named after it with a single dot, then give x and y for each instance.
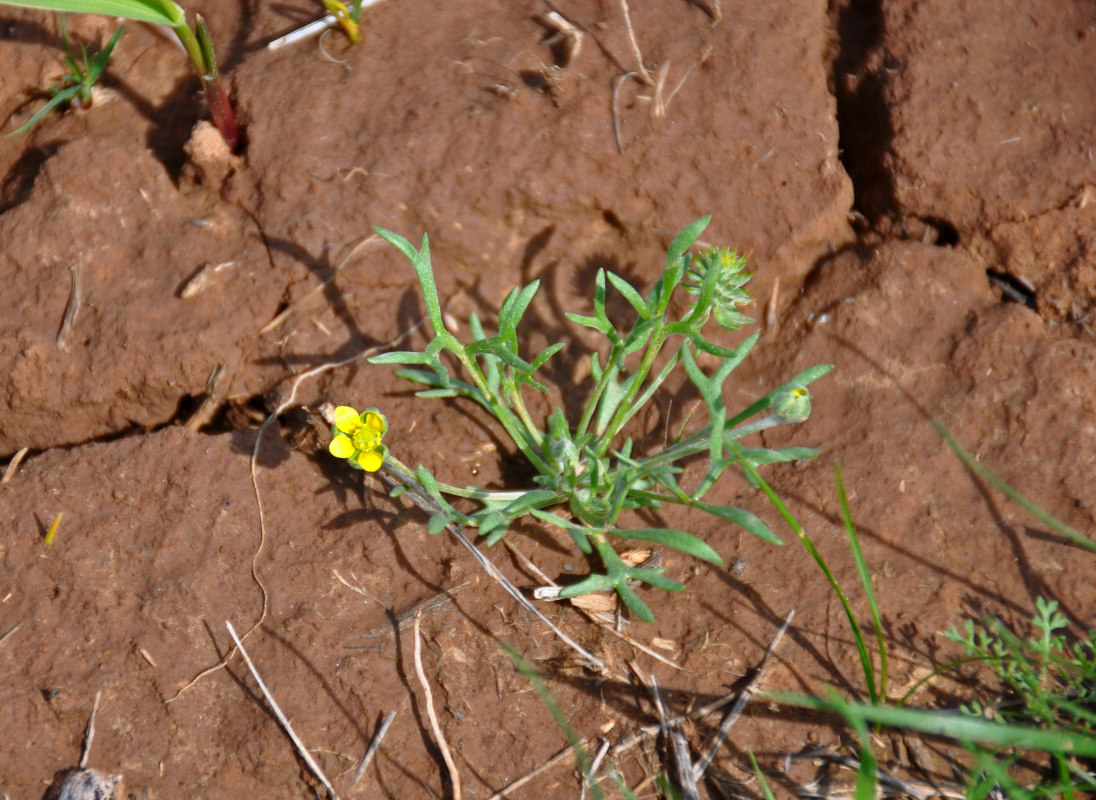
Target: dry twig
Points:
(454, 775)
(13, 465)
(378, 737)
(7, 635)
(312, 765)
(646, 76)
(64, 333)
(731, 717)
(90, 734)
(558, 758)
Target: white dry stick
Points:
(616, 111)
(731, 717)
(13, 465)
(310, 30)
(772, 306)
(393, 476)
(454, 776)
(684, 764)
(551, 592)
(563, 755)
(90, 731)
(312, 765)
(378, 737)
(7, 635)
(64, 333)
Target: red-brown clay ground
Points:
(900, 175)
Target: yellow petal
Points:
(346, 419)
(341, 446)
(370, 460)
(375, 421)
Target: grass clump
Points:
(77, 85)
(587, 472)
(1039, 721)
(197, 42)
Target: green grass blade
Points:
(865, 581)
(61, 97)
(554, 709)
(793, 523)
(142, 10)
(960, 727)
(764, 784)
(990, 477)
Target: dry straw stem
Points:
(378, 737)
(64, 333)
(646, 76)
(732, 715)
(647, 731)
(417, 495)
(312, 765)
(13, 629)
(13, 465)
(454, 775)
(310, 30)
(555, 760)
(890, 786)
(616, 110)
(89, 735)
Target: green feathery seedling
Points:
(584, 466)
(197, 42)
(76, 87)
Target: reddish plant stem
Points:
(220, 107)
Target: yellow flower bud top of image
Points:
(357, 438)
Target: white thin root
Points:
(312, 765)
(644, 74)
(454, 776)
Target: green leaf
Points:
(683, 241)
(577, 532)
(591, 584)
(743, 518)
(763, 455)
(634, 604)
(630, 294)
(668, 537)
(61, 97)
(158, 12)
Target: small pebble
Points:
(85, 784)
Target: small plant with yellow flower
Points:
(357, 438)
(588, 473)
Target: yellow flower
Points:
(357, 438)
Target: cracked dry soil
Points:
(912, 181)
